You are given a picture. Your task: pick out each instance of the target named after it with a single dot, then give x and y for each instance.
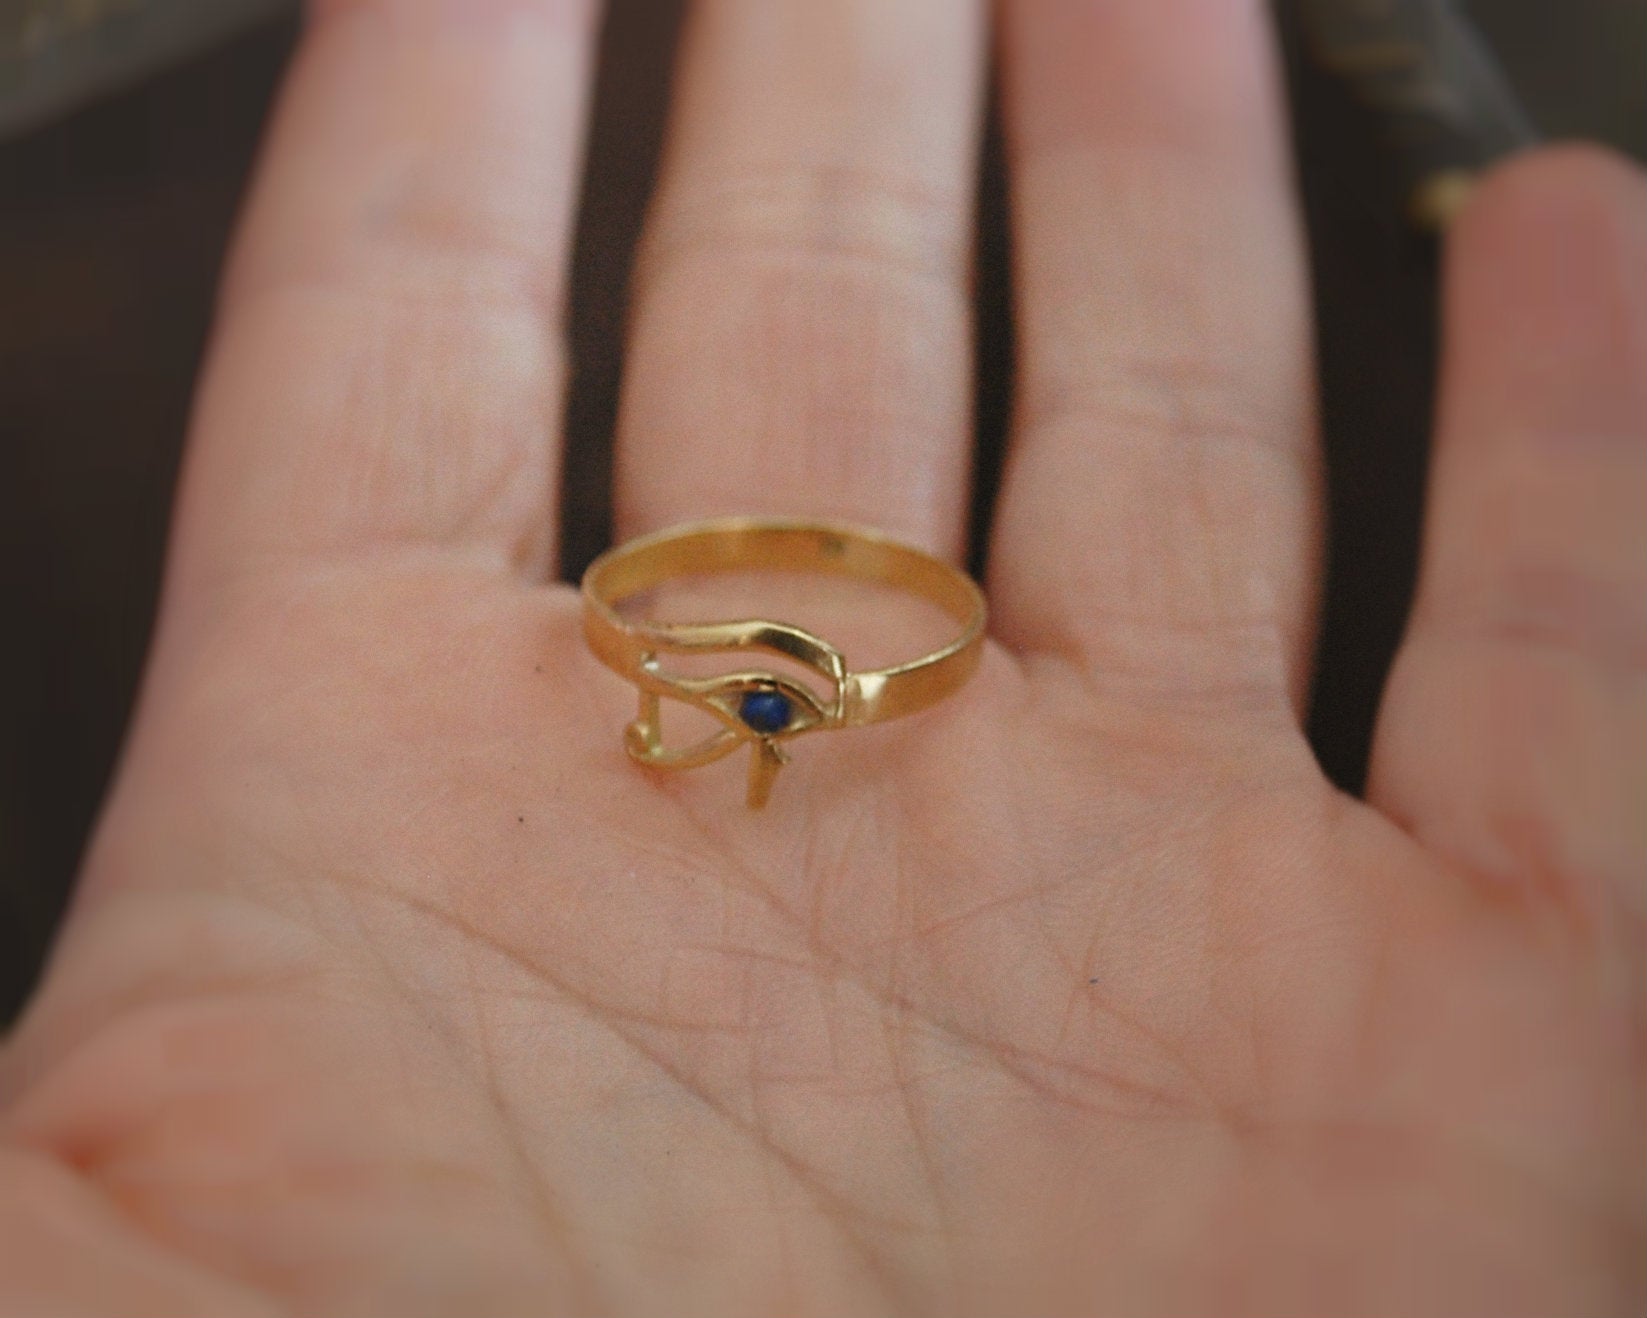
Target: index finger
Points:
(387, 366)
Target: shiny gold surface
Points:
(633, 648)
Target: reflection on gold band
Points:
(762, 708)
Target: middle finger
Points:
(801, 334)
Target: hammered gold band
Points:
(760, 708)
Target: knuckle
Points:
(1553, 609)
(815, 216)
(1182, 402)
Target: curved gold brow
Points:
(714, 695)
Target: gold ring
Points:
(759, 708)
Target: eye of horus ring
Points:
(764, 709)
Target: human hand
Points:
(394, 989)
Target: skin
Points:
(392, 988)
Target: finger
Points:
(387, 369)
(1513, 728)
(1157, 524)
(801, 331)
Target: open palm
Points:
(394, 989)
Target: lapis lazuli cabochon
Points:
(765, 711)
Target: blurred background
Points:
(127, 128)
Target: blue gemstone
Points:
(765, 711)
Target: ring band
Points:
(761, 708)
